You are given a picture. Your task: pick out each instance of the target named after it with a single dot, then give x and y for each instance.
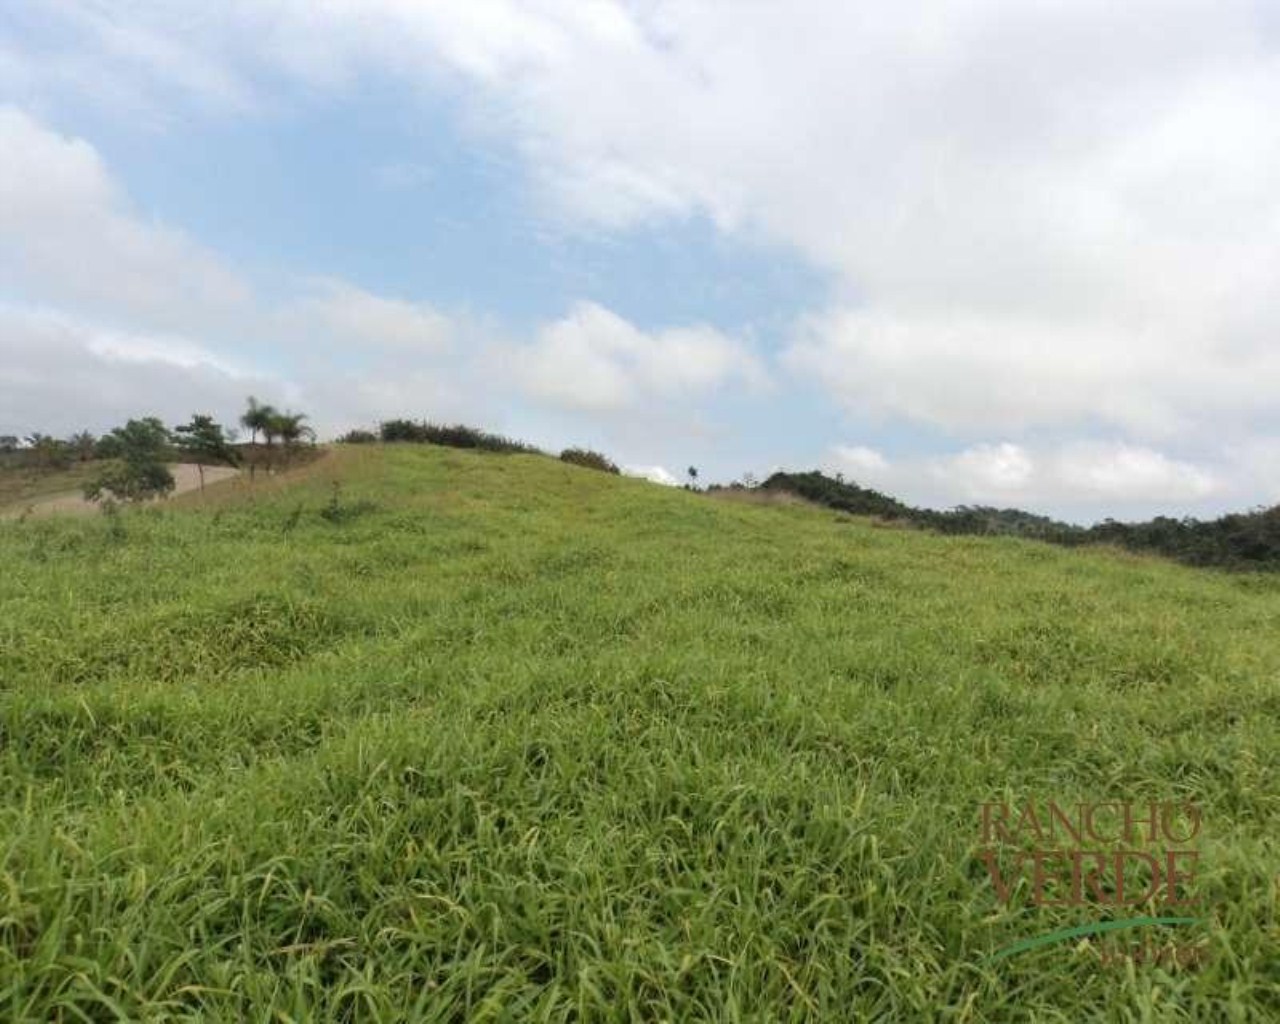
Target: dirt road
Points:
(186, 477)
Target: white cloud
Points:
(149, 311)
(1036, 216)
(969, 373)
(594, 360)
(655, 474)
(860, 459)
(67, 234)
(181, 353)
(1131, 474)
(1079, 479)
(990, 469)
(61, 374)
(336, 311)
(1047, 214)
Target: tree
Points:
(258, 418)
(84, 444)
(138, 472)
(128, 481)
(205, 443)
(8, 444)
(288, 426)
(693, 477)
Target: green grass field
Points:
(494, 738)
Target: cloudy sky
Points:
(1012, 253)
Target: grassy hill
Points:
(415, 733)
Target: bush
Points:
(358, 437)
(454, 436)
(589, 459)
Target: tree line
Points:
(1241, 540)
(134, 458)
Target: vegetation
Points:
(83, 445)
(358, 437)
(258, 419)
(589, 459)
(205, 443)
(1248, 540)
(290, 429)
(49, 452)
(455, 436)
(860, 501)
(519, 744)
(138, 471)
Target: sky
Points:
(1006, 253)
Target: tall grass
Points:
(517, 742)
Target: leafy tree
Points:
(693, 477)
(205, 443)
(126, 481)
(138, 472)
(8, 444)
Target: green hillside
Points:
(422, 734)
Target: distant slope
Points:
(423, 734)
(1246, 540)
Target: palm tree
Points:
(258, 418)
(288, 426)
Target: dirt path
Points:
(186, 477)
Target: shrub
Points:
(358, 437)
(589, 459)
(453, 436)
